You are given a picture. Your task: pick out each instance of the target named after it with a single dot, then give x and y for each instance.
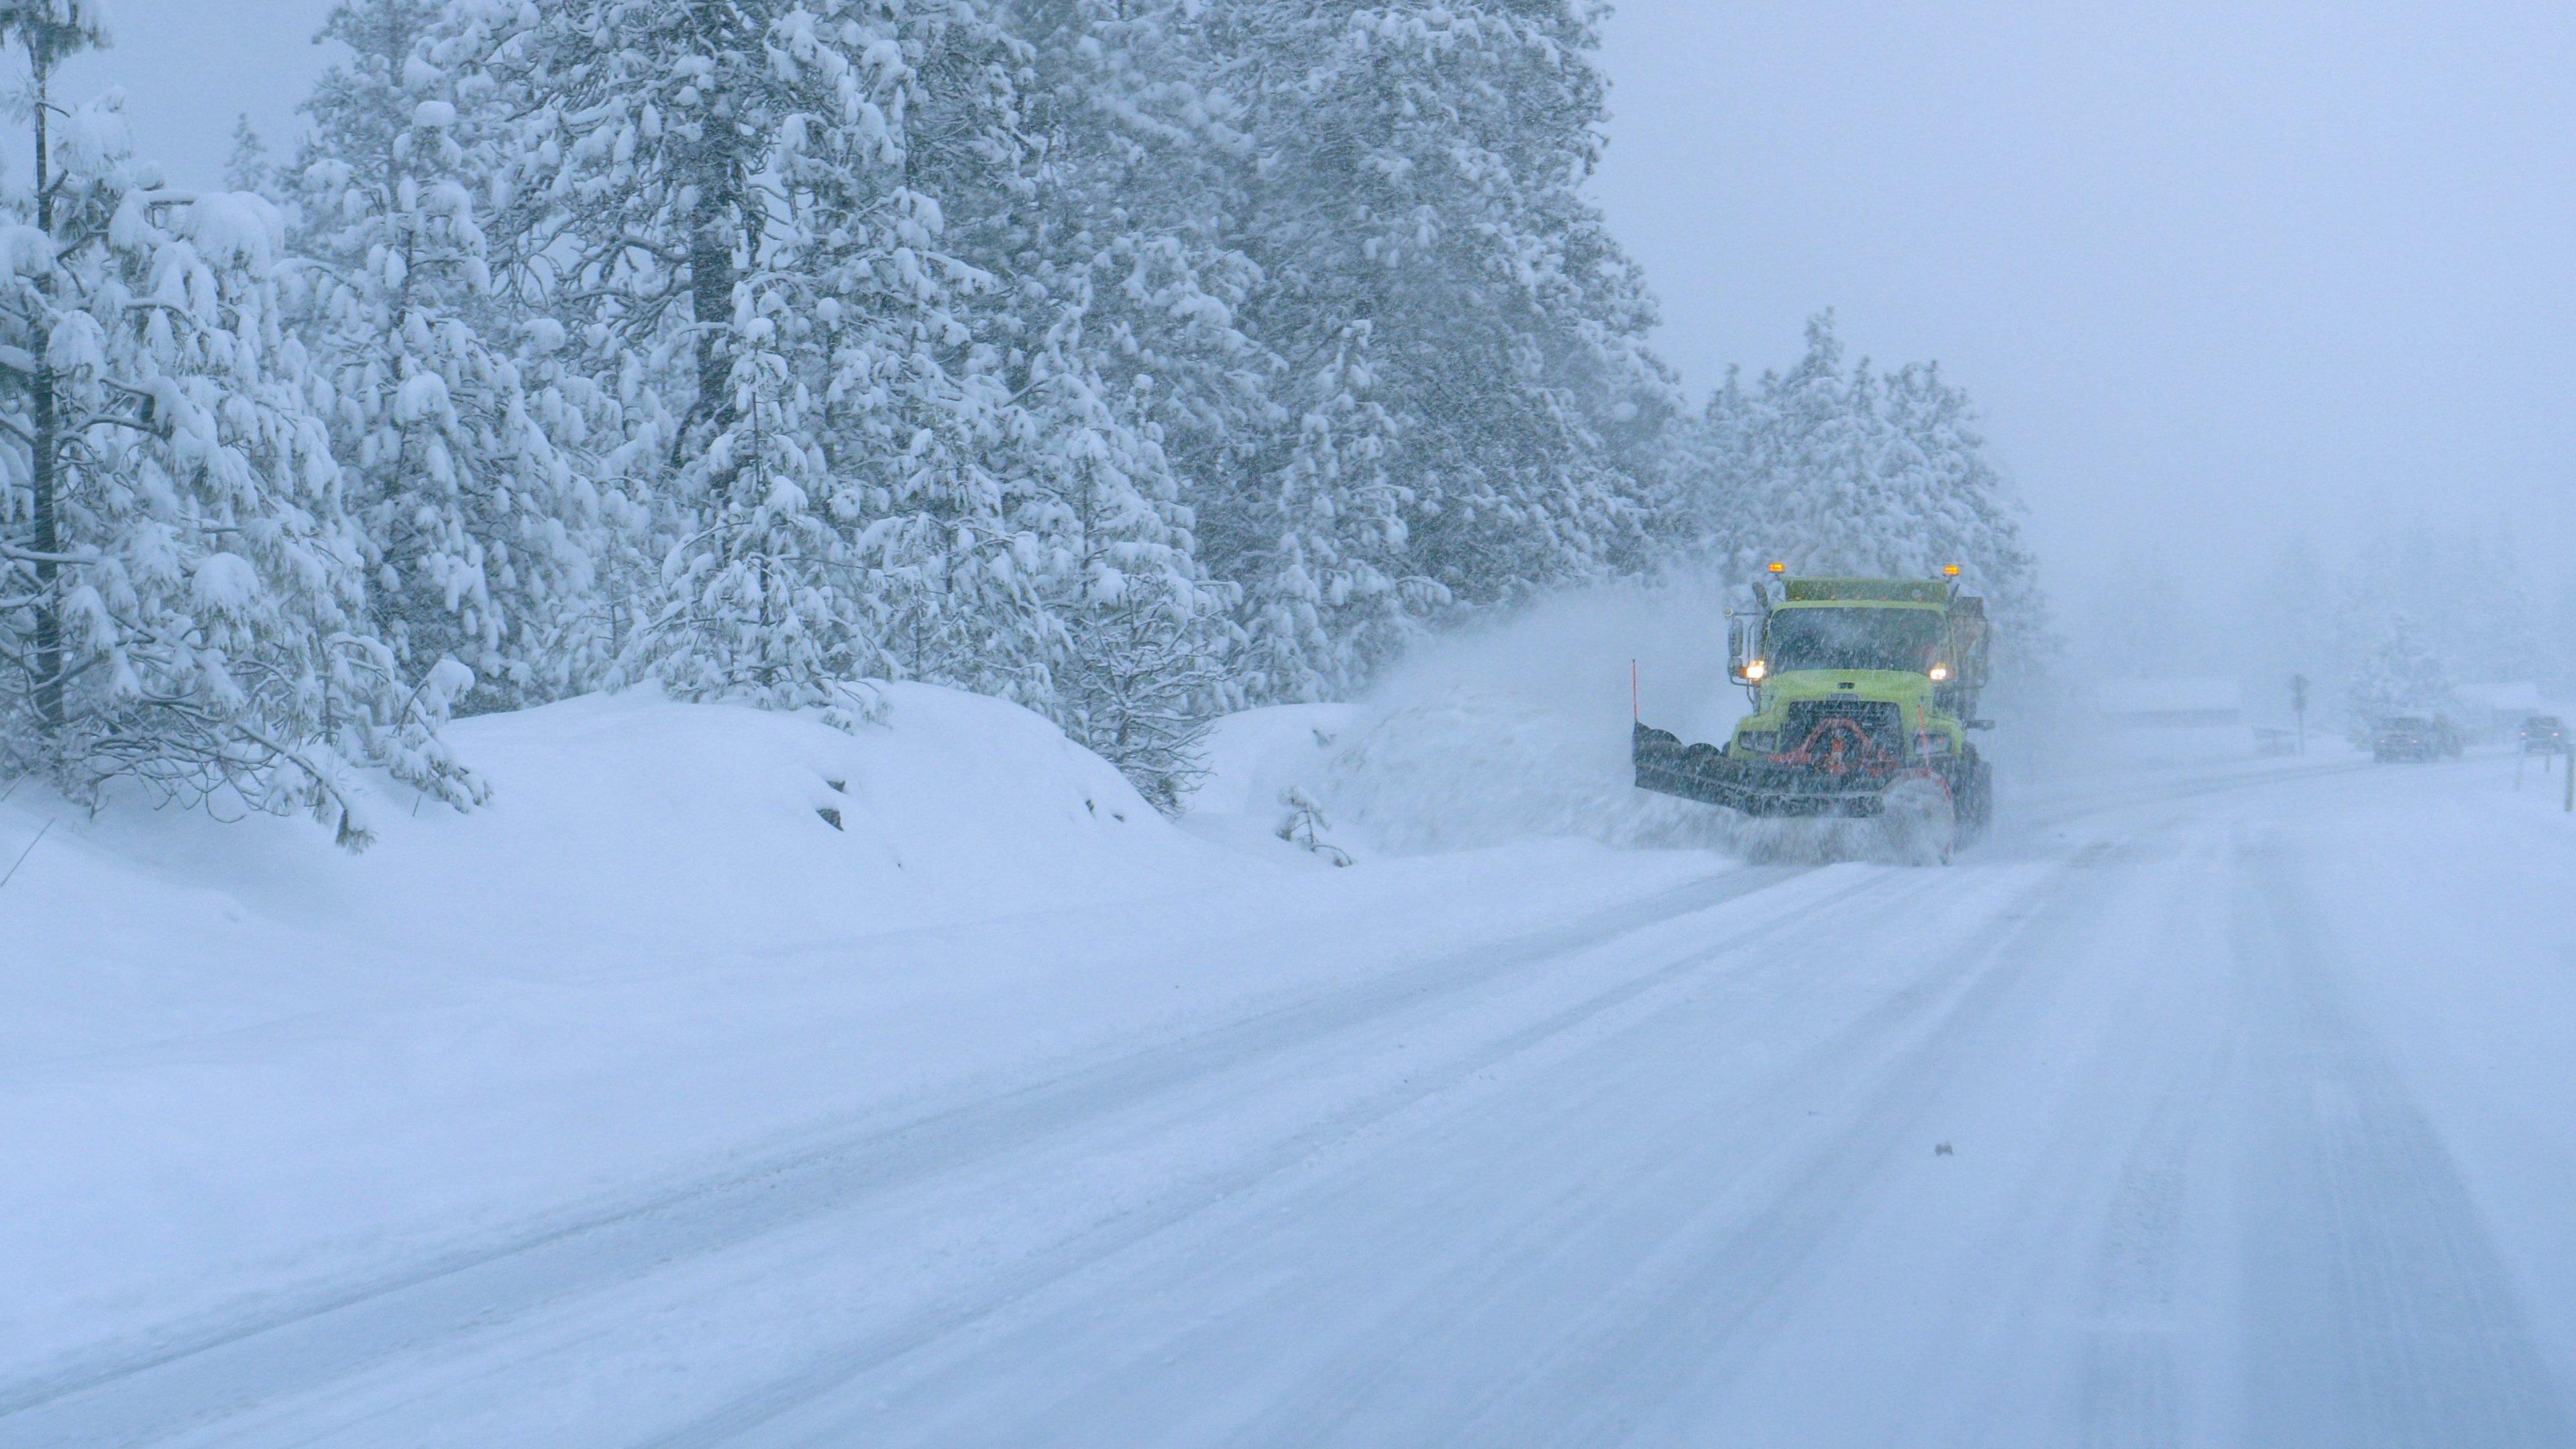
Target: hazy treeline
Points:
(2411, 619)
(2402, 614)
(1131, 359)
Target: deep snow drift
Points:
(624, 822)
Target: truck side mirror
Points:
(1743, 640)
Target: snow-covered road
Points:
(2219, 1109)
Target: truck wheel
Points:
(1972, 791)
(1921, 820)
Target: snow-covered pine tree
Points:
(808, 243)
(2463, 590)
(2401, 674)
(733, 201)
(1839, 468)
(1141, 670)
(1130, 220)
(179, 582)
(248, 168)
(1117, 318)
(1956, 504)
(1818, 449)
(481, 526)
(1701, 511)
(1463, 396)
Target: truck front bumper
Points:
(1755, 787)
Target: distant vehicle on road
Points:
(2544, 734)
(2413, 737)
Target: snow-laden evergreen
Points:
(181, 587)
(1462, 375)
(2419, 616)
(662, 201)
(1836, 467)
(781, 231)
(2401, 674)
(480, 521)
(1122, 309)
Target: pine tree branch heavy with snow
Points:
(181, 601)
(736, 206)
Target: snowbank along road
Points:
(2226, 1109)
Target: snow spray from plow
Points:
(1509, 731)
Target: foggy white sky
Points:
(2211, 265)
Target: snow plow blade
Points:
(1708, 774)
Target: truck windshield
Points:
(1854, 638)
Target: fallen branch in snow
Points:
(30, 850)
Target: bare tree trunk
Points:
(45, 465)
(711, 284)
(714, 228)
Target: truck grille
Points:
(1878, 719)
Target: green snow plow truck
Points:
(1864, 693)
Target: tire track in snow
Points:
(1712, 1316)
(2135, 1389)
(1690, 1320)
(1575, 1164)
(760, 1412)
(2132, 1393)
(2376, 1308)
(1334, 1401)
(225, 1369)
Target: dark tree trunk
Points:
(45, 466)
(715, 223)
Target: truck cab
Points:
(1899, 662)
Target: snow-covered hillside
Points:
(627, 821)
(237, 1060)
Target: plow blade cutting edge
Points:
(1712, 776)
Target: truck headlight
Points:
(1755, 669)
(1940, 672)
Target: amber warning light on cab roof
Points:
(1950, 570)
(1777, 567)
